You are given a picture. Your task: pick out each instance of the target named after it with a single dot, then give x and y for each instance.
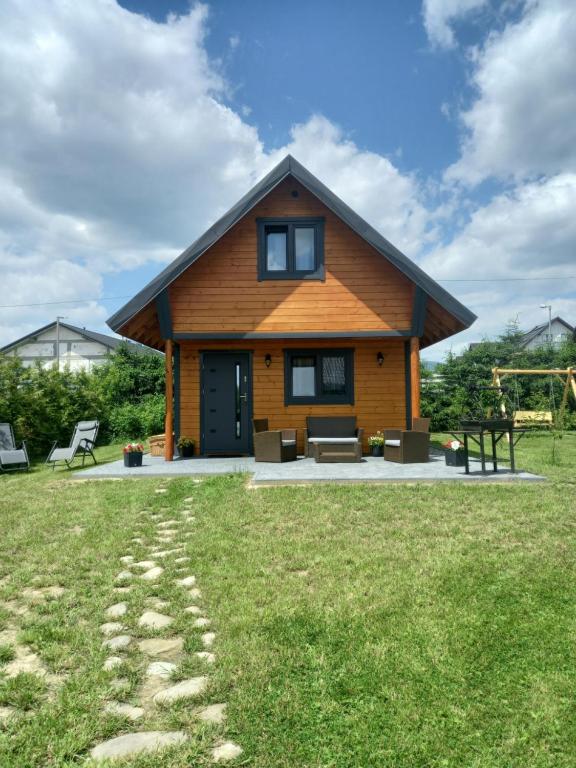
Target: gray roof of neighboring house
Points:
(109, 341)
(290, 167)
(543, 328)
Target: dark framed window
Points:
(291, 249)
(318, 376)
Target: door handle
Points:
(244, 397)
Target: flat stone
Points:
(153, 574)
(161, 490)
(181, 559)
(208, 639)
(124, 576)
(119, 684)
(188, 500)
(144, 564)
(127, 559)
(166, 552)
(226, 751)
(168, 523)
(193, 609)
(43, 592)
(215, 713)
(167, 648)
(111, 663)
(154, 620)
(201, 623)
(124, 710)
(195, 593)
(6, 713)
(122, 590)
(116, 643)
(160, 669)
(186, 689)
(25, 661)
(156, 603)
(188, 581)
(117, 610)
(137, 540)
(134, 743)
(111, 627)
(206, 656)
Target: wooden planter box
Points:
(157, 444)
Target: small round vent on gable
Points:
(295, 193)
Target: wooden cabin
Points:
(290, 305)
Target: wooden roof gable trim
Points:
(291, 167)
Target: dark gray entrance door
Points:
(226, 402)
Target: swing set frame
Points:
(569, 382)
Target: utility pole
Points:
(549, 308)
(58, 318)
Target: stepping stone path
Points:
(124, 710)
(117, 610)
(135, 743)
(111, 663)
(153, 620)
(215, 713)
(186, 689)
(117, 643)
(163, 654)
(225, 752)
(153, 574)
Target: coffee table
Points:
(335, 453)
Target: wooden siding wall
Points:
(380, 395)
(221, 292)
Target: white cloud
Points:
(440, 15)
(521, 123)
(117, 149)
(528, 232)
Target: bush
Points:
(125, 394)
(137, 420)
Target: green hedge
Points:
(125, 394)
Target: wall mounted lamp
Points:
(268, 360)
(380, 359)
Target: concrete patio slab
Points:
(304, 470)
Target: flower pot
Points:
(455, 458)
(187, 451)
(133, 459)
(377, 450)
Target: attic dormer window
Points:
(291, 249)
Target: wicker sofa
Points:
(332, 430)
(275, 445)
(408, 446)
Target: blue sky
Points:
(127, 129)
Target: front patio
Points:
(305, 470)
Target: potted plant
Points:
(454, 454)
(376, 443)
(133, 453)
(186, 447)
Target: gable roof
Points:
(108, 341)
(291, 167)
(543, 328)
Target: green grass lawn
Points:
(385, 625)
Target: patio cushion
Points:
(13, 457)
(332, 439)
(288, 442)
(392, 443)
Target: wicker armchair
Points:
(275, 445)
(408, 446)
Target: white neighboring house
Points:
(539, 336)
(79, 349)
